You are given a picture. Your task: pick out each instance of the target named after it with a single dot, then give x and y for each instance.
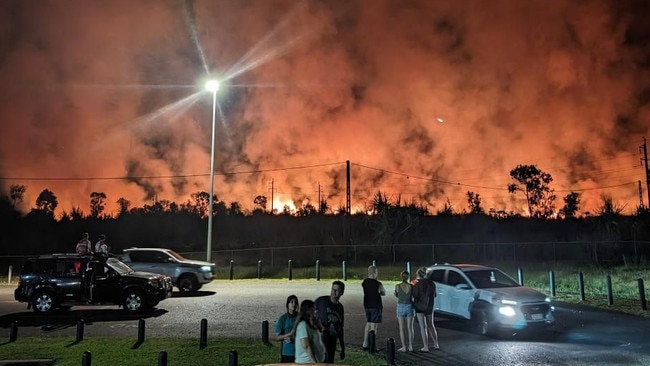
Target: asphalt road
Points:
(238, 308)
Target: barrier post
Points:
(13, 333)
(390, 351)
(232, 269)
(162, 358)
(317, 269)
(232, 358)
(290, 270)
(345, 272)
(610, 295)
(11, 268)
(644, 306)
(551, 279)
(203, 339)
(259, 269)
(80, 331)
(372, 347)
(265, 332)
(581, 286)
(86, 358)
(520, 275)
(140, 331)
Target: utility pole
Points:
(319, 202)
(272, 189)
(647, 171)
(347, 186)
(640, 195)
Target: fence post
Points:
(345, 272)
(610, 296)
(290, 270)
(232, 269)
(232, 358)
(581, 286)
(520, 275)
(317, 269)
(203, 339)
(551, 279)
(644, 306)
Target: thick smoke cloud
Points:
(427, 99)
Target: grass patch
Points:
(180, 351)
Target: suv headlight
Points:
(207, 269)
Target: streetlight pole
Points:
(211, 86)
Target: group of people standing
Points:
(310, 330)
(85, 247)
(414, 301)
(310, 333)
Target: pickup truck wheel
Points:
(133, 301)
(188, 283)
(44, 302)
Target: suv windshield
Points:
(491, 278)
(119, 266)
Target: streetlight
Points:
(211, 86)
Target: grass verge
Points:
(180, 352)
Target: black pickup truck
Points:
(60, 281)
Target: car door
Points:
(153, 261)
(107, 287)
(459, 293)
(441, 302)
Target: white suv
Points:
(489, 298)
(186, 274)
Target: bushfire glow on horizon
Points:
(428, 100)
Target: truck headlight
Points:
(207, 269)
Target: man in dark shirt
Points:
(373, 290)
(331, 316)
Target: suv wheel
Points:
(188, 283)
(133, 301)
(44, 302)
(482, 323)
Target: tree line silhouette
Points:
(384, 222)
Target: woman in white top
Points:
(309, 344)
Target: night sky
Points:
(427, 99)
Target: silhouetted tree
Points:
(260, 202)
(123, 205)
(571, 205)
(17, 194)
(46, 202)
(474, 201)
(97, 204)
(534, 183)
(201, 203)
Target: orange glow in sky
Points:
(426, 99)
